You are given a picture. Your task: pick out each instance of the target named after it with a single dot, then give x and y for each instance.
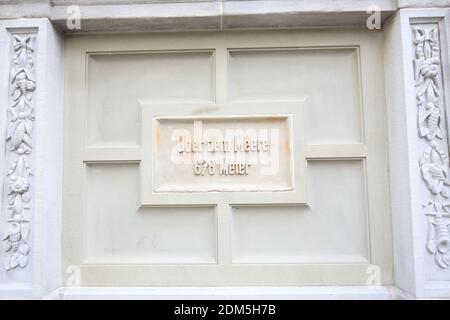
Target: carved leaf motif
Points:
(7, 244)
(18, 135)
(17, 204)
(440, 260)
(22, 260)
(430, 122)
(11, 263)
(24, 233)
(434, 176)
(435, 171)
(23, 84)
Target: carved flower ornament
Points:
(19, 184)
(430, 68)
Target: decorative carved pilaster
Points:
(434, 162)
(19, 148)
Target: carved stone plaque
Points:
(222, 153)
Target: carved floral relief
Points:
(19, 140)
(434, 162)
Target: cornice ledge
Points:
(404, 4)
(180, 15)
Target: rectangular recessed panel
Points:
(229, 153)
(118, 82)
(134, 217)
(328, 80)
(331, 229)
(118, 231)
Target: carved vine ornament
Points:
(19, 148)
(434, 162)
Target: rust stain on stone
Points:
(287, 147)
(287, 142)
(272, 119)
(158, 137)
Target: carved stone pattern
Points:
(434, 162)
(19, 147)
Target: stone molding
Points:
(179, 15)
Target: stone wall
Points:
(417, 76)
